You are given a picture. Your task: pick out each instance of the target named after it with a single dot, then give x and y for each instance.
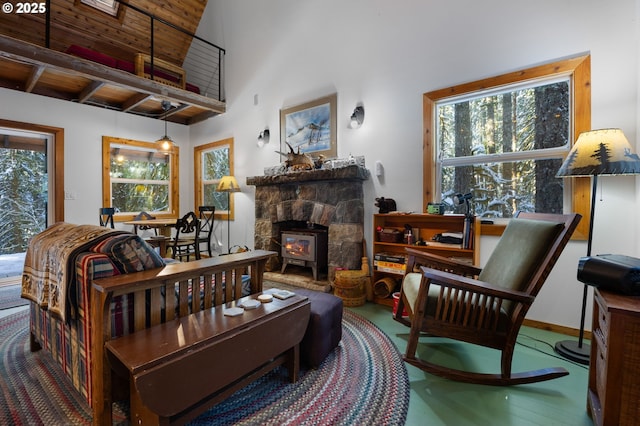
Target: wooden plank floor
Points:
(437, 402)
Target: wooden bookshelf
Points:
(428, 226)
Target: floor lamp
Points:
(596, 152)
(228, 184)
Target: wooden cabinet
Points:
(614, 370)
(424, 226)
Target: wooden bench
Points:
(152, 308)
(163, 72)
(179, 369)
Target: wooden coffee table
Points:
(179, 369)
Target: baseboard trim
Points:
(556, 328)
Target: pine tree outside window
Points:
(505, 148)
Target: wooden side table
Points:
(614, 371)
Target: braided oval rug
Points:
(364, 382)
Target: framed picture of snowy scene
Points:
(310, 128)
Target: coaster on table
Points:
(233, 312)
(249, 304)
(283, 294)
(265, 298)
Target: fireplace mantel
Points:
(353, 172)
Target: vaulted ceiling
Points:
(26, 64)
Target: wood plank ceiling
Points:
(26, 65)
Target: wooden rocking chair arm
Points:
(444, 263)
(447, 279)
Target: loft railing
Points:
(203, 62)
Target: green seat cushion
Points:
(521, 249)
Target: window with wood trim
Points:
(504, 138)
(211, 162)
(137, 177)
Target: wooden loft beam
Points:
(33, 78)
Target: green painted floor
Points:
(435, 401)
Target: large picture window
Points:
(137, 177)
(503, 139)
(212, 161)
(505, 148)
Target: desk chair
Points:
(487, 306)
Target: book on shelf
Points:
(385, 264)
(390, 257)
(467, 233)
(450, 238)
(439, 244)
(390, 270)
(392, 267)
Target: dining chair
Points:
(185, 242)
(482, 306)
(206, 227)
(106, 216)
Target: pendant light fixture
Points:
(165, 143)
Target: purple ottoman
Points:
(324, 331)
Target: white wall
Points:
(386, 55)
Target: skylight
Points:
(107, 6)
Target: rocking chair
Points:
(485, 306)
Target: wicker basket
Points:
(350, 287)
(384, 287)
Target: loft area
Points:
(151, 55)
(34, 69)
(130, 62)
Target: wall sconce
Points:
(263, 138)
(357, 117)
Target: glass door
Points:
(25, 188)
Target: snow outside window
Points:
(504, 146)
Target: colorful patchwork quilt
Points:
(48, 263)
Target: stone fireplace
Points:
(331, 198)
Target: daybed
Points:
(164, 72)
(71, 320)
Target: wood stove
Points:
(306, 248)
